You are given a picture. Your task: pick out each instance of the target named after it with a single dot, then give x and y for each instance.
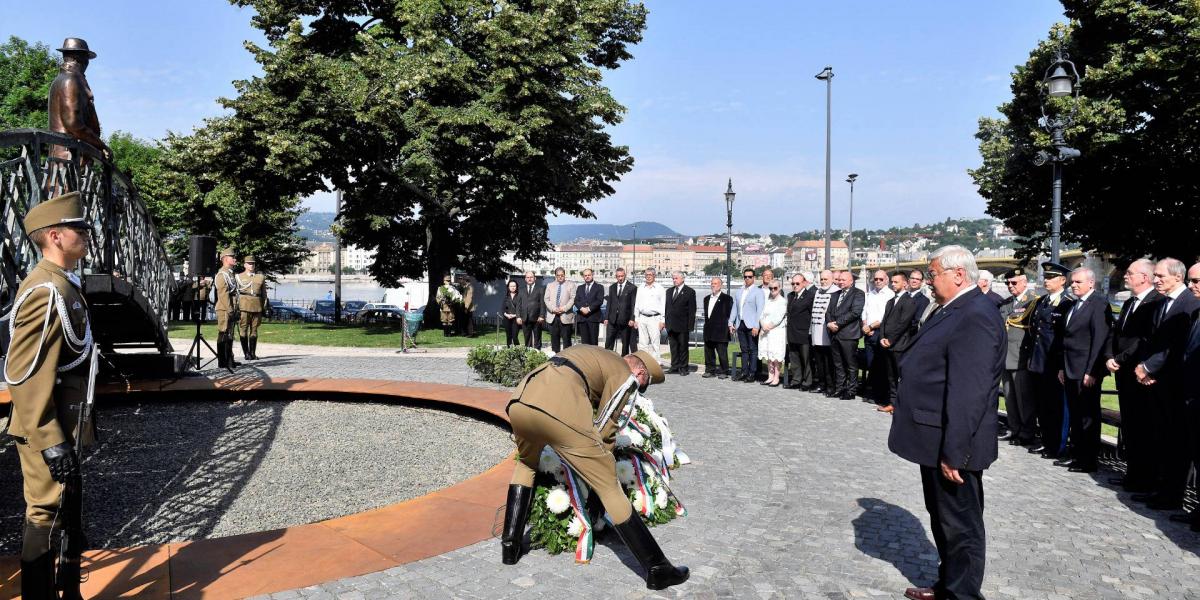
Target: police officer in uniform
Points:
(252, 301)
(1017, 381)
(554, 406)
(47, 373)
(1048, 311)
(227, 309)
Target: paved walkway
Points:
(796, 496)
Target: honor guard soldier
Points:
(252, 301)
(556, 405)
(49, 373)
(1048, 312)
(227, 309)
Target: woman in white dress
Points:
(772, 337)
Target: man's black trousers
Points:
(589, 333)
(800, 369)
(623, 333)
(956, 521)
(560, 334)
(532, 331)
(845, 366)
(1083, 406)
(714, 351)
(678, 342)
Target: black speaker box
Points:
(202, 256)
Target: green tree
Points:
(1132, 191)
(720, 267)
(453, 128)
(26, 72)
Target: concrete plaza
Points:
(791, 495)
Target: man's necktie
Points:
(1074, 307)
(558, 296)
(936, 308)
(1162, 312)
(530, 290)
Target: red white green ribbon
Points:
(586, 544)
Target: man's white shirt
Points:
(651, 300)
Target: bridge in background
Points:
(126, 274)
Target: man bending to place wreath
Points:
(574, 404)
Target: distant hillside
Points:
(314, 226)
(601, 231)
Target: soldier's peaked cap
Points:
(1053, 269)
(66, 209)
(652, 366)
(249, 259)
(1017, 272)
(228, 252)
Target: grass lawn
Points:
(328, 334)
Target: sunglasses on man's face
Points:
(775, 288)
(747, 277)
(881, 279)
(1194, 281)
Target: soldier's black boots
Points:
(254, 348)
(68, 568)
(246, 349)
(37, 564)
(516, 514)
(660, 573)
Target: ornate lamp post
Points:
(827, 77)
(635, 249)
(729, 194)
(1061, 80)
(850, 240)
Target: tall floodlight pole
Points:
(1061, 81)
(850, 239)
(827, 77)
(337, 267)
(729, 194)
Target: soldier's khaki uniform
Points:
(554, 406)
(46, 402)
(226, 301)
(252, 301)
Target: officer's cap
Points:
(249, 259)
(1017, 272)
(228, 252)
(1053, 269)
(66, 209)
(652, 366)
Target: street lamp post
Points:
(1061, 80)
(635, 249)
(827, 77)
(850, 239)
(729, 194)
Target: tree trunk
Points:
(437, 265)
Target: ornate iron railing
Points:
(124, 245)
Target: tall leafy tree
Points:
(26, 72)
(1133, 191)
(453, 127)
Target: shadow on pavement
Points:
(889, 532)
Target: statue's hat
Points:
(76, 45)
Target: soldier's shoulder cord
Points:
(73, 341)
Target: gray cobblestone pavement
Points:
(791, 495)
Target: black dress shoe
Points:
(1144, 497)
(722, 376)
(1078, 468)
(1051, 455)
(735, 377)
(1005, 437)
(1038, 449)
(1014, 442)
(1064, 462)
(847, 396)
(708, 375)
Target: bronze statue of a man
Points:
(72, 108)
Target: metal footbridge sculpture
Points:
(126, 274)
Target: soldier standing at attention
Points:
(227, 309)
(47, 374)
(554, 405)
(252, 300)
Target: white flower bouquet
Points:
(646, 453)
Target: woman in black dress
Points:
(510, 314)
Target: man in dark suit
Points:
(1163, 370)
(1191, 366)
(844, 321)
(916, 282)
(799, 331)
(717, 308)
(1080, 356)
(681, 319)
(1017, 381)
(946, 395)
(619, 319)
(1048, 312)
(589, 297)
(1128, 346)
(893, 331)
(985, 285)
(530, 317)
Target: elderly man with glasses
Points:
(799, 335)
(1017, 381)
(874, 307)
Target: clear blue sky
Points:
(716, 90)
